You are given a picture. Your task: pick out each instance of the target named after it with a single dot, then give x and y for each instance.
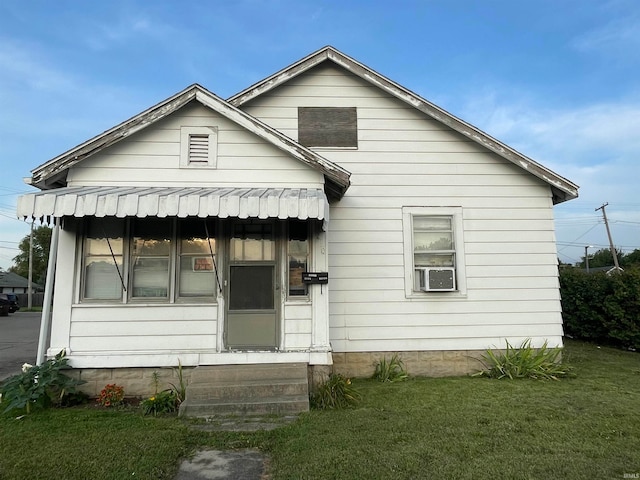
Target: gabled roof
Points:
(52, 174)
(13, 280)
(561, 188)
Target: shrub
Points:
(525, 362)
(390, 370)
(602, 308)
(41, 386)
(111, 395)
(336, 392)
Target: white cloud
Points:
(618, 37)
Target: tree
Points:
(41, 242)
(603, 258)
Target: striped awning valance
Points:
(282, 203)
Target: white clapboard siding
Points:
(297, 326)
(177, 341)
(406, 159)
(242, 158)
(137, 327)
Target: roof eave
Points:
(562, 188)
(52, 174)
(56, 167)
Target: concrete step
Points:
(274, 407)
(229, 373)
(247, 390)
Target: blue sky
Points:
(558, 80)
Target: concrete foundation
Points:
(139, 382)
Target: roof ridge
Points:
(562, 188)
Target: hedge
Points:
(602, 308)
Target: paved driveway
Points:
(18, 341)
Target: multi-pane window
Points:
(103, 255)
(298, 257)
(197, 260)
(252, 241)
(143, 262)
(150, 258)
(434, 251)
(433, 242)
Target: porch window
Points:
(298, 257)
(197, 259)
(151, 250)
(103, 259)
(153, 259)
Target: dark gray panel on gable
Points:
(328, 127)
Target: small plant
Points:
(166, 401)
(336, 392)
(111, 395)
(40, 386)
(525, 362)
(180, 390)
(163, 402)
(390, 370)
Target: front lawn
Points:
(587, 427)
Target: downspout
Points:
(48, 295)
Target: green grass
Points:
(586, 427)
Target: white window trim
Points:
(185, 133)
(407, 227)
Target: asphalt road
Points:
(18, 341)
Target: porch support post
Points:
(48, 295)
(320, 301)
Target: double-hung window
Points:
(434, 250)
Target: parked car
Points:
(4, 305)
(14, 306)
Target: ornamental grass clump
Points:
(111, 395)
(334, 393)
(41, 386)
(525, 362)
(390, 370)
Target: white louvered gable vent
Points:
(198, 147)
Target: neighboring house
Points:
(13, 283)
(325, 215)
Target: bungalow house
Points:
(13, 283)
(325, 216)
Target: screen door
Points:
(252, 314)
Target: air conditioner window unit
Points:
(437, 279)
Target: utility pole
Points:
(606, 224)
(586, 256)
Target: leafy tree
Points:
(633, 258)
(41, 242)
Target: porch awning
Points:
(282, 203)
